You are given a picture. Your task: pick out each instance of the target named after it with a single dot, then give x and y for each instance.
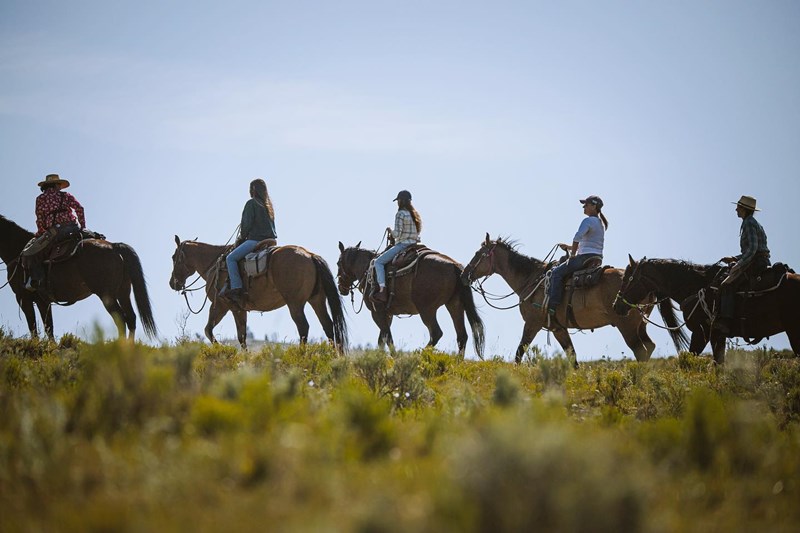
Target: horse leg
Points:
(318, 305)
(718, 347)
(240, 319)
(384, 323)
(456, 310)
(216, 311)
(794, 339)
(429, 319)
(299, 318)
(563, 338)
(115, 311)
(128, 314)
(631, 330)
(26, 304)
(529, 331)
(698, 341)
(46, 312)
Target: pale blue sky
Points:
(497, 116)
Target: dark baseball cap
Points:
(403, 195)
(594, 200)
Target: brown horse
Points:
(434, 283)
(295, 277)
(592, 306)
(106, 269)
(761, 313)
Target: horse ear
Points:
(341, 246)
(488, 239)
(630, 259)
(358, 245)
(177, 241)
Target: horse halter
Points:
(345, 276)
(646, 282)
(488, 252)
(179, 259)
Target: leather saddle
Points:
(408, 256)
(256, 262)
(768, 279)
(588, 276)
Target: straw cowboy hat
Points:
(54, 178)
(748, 202)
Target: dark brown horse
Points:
(765, 313)
(592, 306)
(106, 269)
(295, 277)
(434, 283)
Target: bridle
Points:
(488, 252)
(180, 258)
(355, 282)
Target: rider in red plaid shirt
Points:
(55, 206)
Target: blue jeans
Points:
(385, 258)
(556, 292)
(232, 261)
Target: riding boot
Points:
(381, 296)
(235, 295)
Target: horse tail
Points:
(677, 332)
(334, 302)
(475, 322)
(134, 268)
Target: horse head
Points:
(180, 269)
(352, 266)
(634, 287)
(482, 263)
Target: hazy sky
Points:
(497, 116)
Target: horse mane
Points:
(517, 260)
(12, 238)
(708, 272)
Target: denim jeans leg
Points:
(232, 260)
(384, 259)
(562, 271)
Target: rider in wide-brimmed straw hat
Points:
(753, 260)
(56, 207)
(57, 212)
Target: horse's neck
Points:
(681, 281)
(12, 240)
(518, 270)
(201, 256)
(362, 262)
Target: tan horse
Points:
(593, 306)
(295, 277)
(434, 283)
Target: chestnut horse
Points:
(295, 277)
(99, 267)
(434, 283)
(592, 306)
(767, 312)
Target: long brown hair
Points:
(406, 204)
(258, 188)
(603, 218)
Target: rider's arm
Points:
(72, 203)
(40, 215)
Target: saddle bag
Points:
(257, 263)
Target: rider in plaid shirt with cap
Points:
(407, 226)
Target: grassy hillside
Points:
(120, 437)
